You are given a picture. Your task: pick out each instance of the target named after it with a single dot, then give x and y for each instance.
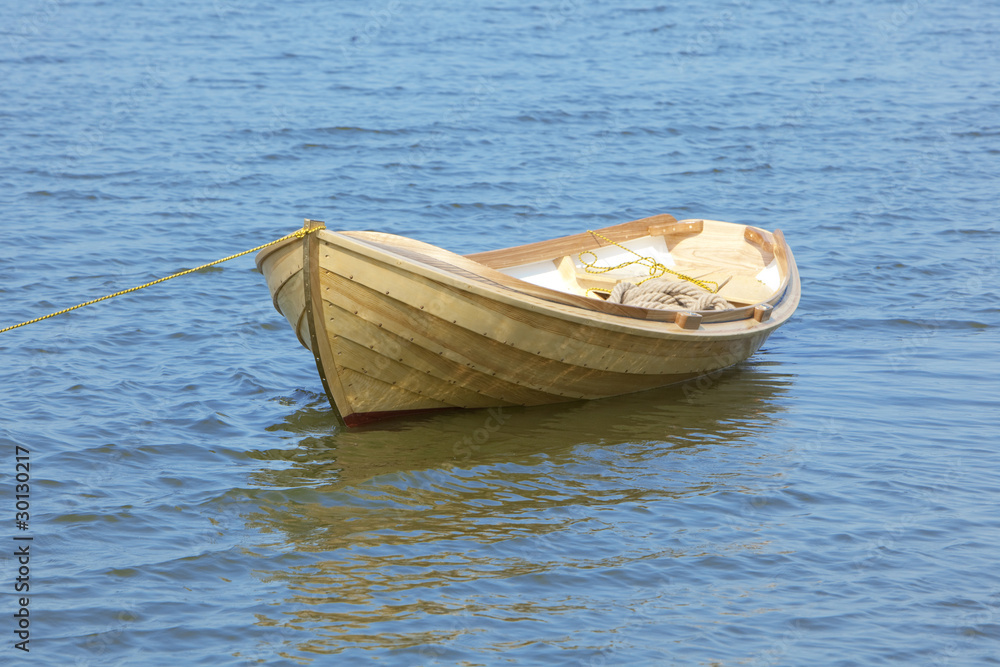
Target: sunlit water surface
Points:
(830, 502)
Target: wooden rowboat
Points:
(398, 326)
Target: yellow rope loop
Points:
(656, 270)
(299, 233)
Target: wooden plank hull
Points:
(397, 326)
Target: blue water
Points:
(832, 501)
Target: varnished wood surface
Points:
(316, 321)
(397, 325)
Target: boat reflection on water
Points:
(729, 406)
(400, 530)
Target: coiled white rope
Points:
(666, 294)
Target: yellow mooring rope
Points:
(298, 233)
(656, 270)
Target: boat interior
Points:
(735, 260)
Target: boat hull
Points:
(398, 327)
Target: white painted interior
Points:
(546, 274)
(770, 275)
(543, 274)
